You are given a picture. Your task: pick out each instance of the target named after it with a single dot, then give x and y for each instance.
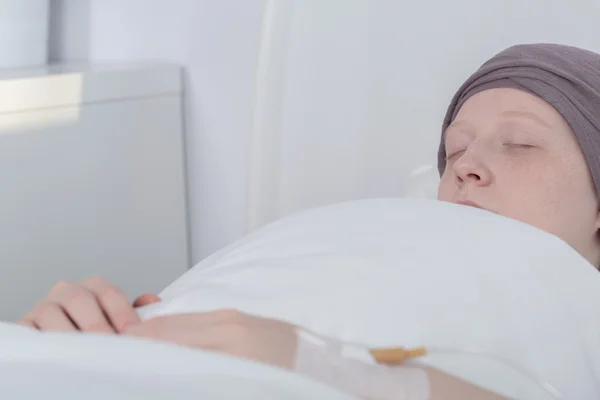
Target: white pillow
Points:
(418, 272)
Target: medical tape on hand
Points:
(352, 370)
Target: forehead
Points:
(499, 100)
(494, 106)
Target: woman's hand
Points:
(227, 331)
(92, 305)
(276, 342)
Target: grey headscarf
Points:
(568, 78)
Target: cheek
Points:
(527, 190)
(539, 184)
(552, 196)
(535, 170)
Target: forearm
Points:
(448, 387)
(326, 363)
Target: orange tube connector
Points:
(396, 355)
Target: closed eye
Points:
(519, 145)
(451, 156)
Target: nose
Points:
(472, 169)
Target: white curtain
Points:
(351, 93)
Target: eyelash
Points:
(513, 145)
(522, 146)
(450, 156)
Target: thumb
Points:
(145, 299)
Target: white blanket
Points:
(385, 273)
(419, 272)
(36, 366)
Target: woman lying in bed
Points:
(521, 138)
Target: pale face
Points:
(512, 153)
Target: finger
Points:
(145, 300)
(83, 308)
(68, 306)
(58, 291)
(27, 323)
(29, 318)
(44, 310)
(113, 301)
(50, 317)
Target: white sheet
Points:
(74, 367)
(418, 272)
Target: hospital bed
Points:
(501, 305)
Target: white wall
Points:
(349, 98)
(217, 42)
(23, 33)
(69, 31)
